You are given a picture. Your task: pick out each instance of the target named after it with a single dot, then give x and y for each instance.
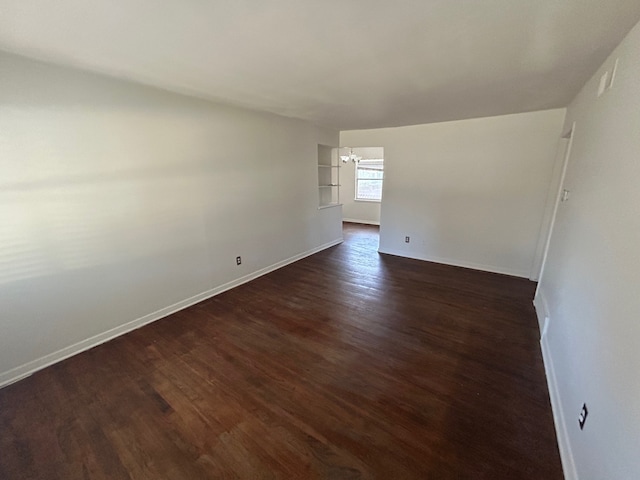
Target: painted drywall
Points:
(470, 192)
(589, 288)
(353, 210)
(120, 203)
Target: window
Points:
(369, 176)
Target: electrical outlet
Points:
(238, 260)
(582, 418)
(406, 239)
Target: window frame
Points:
(364, 162)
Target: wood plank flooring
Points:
(347, 364)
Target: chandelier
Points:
(352, 156)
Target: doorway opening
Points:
(362, 184)
(361, 237)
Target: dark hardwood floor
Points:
(347, 364)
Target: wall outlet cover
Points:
(582, 418)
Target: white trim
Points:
(566, 455)
(542, 312)
(366, 222)
(367, 161)
(570, 135)
(524, 273)
(23, 371)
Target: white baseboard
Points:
(566, 456)
(366, 222)
(456, 263)
(23, 371)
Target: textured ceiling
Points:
(347, 64)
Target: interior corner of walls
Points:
(541, 307)
(564, 444)
(565, 113)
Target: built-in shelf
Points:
(328, 176)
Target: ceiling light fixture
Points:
(352, 156)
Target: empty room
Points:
(319, 240)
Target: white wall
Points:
(121, 203)
(357, 210)
(470, 192)
(591, 283)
